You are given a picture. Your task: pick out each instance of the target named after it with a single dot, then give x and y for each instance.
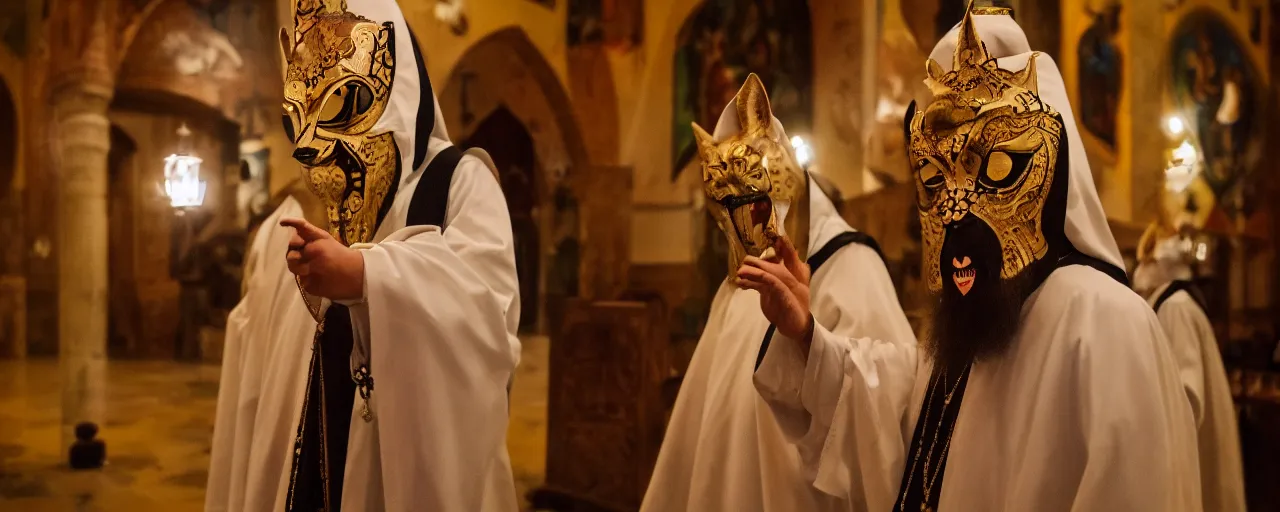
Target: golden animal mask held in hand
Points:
(756, 190)
(337, 86)
(985, 147)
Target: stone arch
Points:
(505, 71)
(171, 47)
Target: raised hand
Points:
(323, 265)
(783, 283)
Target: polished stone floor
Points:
(159, 422)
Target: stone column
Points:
(1145, 76)
(82, 39)
(82, 139)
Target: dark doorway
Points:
(11, 309)
(122, 303)
(511, 146)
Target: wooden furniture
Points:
(605, 409)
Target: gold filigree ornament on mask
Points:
(753, 182)
(987, 146)
(337, 85)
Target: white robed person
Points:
(1164, 276)
(722, 450)
(1044, 382)
(405, 324)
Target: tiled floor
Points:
(158, 425)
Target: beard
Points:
(981, 322)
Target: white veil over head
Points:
(1086, 222)
(408, 90)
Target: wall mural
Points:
(618, 23)
(1101, 74)
(720, 44)
(584, 22)
(13, 26)
(1214, 87)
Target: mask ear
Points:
(286, 46)
(754, 114)
(706, 146)
(704, 139)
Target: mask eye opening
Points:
(929, 174)
(1003, 169)
(346, 105)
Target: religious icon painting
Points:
(1101, 74)
(1214, 87)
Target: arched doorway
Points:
(509, 143)
(122, 319)
(12, 310)
(504, 76)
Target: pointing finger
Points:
(307, 231)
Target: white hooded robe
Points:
(1083, 412)
(1203, 376)
(437, 328)
(723, 451)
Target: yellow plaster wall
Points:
(1112, 178)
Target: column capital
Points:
(72, 97)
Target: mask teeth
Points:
(751, 234)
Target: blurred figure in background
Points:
(1164, 277)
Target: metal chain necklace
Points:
(927, 481)
(933, 388)
(926, 484)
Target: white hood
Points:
(409, 88)
(1086, 224)
(1168, 264)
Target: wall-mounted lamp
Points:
(804, 152)
(182, 183)
(1175, 125)
(1182, 168)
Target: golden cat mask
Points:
(756, 190)
(337, 86)
(985, 146)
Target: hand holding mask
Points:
(755, 188)
(783, 283)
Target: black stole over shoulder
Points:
(1180, 285)
(320, 448)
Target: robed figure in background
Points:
(1164, 277)
(1044, 382)
(722, 449)
(390, 338)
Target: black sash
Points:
(816, 260)
(430, 202)
(1180, 286)
(320, 449)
